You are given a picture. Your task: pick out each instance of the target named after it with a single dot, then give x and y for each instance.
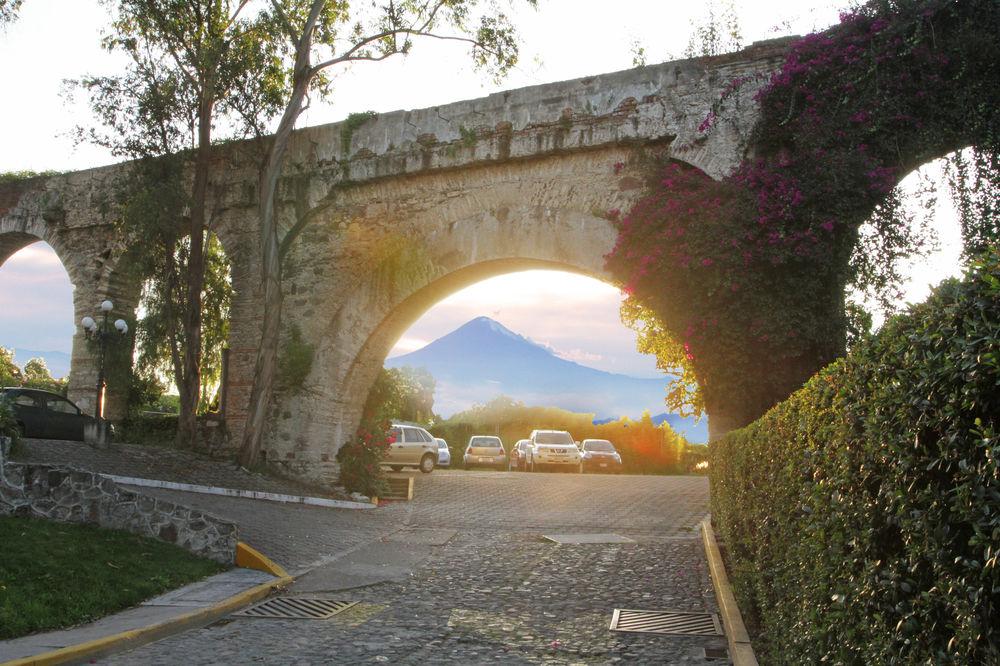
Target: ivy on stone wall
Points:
(749, 273)
(295, 360)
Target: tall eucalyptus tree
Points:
(321, 35)
(195, 69)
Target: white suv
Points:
(411, 446)
(554, 448)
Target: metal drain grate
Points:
(666, 622)
(296, 608)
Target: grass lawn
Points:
(56, 575)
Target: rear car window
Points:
(415, 435)
(486, 442)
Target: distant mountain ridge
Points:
(57, 362)
(482, 359)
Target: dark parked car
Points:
(45, 415)
(599, 455)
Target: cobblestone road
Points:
(480, 585)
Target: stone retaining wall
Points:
(76, 496)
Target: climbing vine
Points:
(749, 273)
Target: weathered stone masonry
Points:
(406, 208)
(76, 496)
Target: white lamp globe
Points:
(107, 306)
(88, 323)
(121, 326)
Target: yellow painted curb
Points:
(740, 650)
(251, 558)
(137, 637)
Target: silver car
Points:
(444, 455)
(411, 446)
(485, 451)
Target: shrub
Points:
(862, 515)
(148, 429)
(8, 423)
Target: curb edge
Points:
(251, 558)
(134, 638)
(740, 651)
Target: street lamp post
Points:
(102, 333)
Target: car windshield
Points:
(598, 445)
(486, 443)
(554, 437)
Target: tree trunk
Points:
(271, 251)
(187, 424)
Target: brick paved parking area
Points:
(462, 575)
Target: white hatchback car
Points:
(411, 446)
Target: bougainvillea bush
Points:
(862, 515)
(749, 273)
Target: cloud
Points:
(36, 299)
(407, 344)
(578, 355)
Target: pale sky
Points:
(578, 317)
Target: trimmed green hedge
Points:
(861, 516)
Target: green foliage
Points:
(749, 273)
(468, 136)
(683, 397)
(406, 394)
(295, 360)
(645, 448)
(34, 375)
(8, 422)
(56, 575)
(349, 126)
(717, 32)
(148, 429)
(10, 374)
(37, 375)
(160, 333)
(862, 515)
(398, 394)
(15, 176)
(974, 180)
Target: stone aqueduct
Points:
(406, 208)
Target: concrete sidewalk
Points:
(187, 607)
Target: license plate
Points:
(483, 459)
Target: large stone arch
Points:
(520, 178)
(390, 250)
(89, 256)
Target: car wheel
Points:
(396, 468)
(427, 464)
